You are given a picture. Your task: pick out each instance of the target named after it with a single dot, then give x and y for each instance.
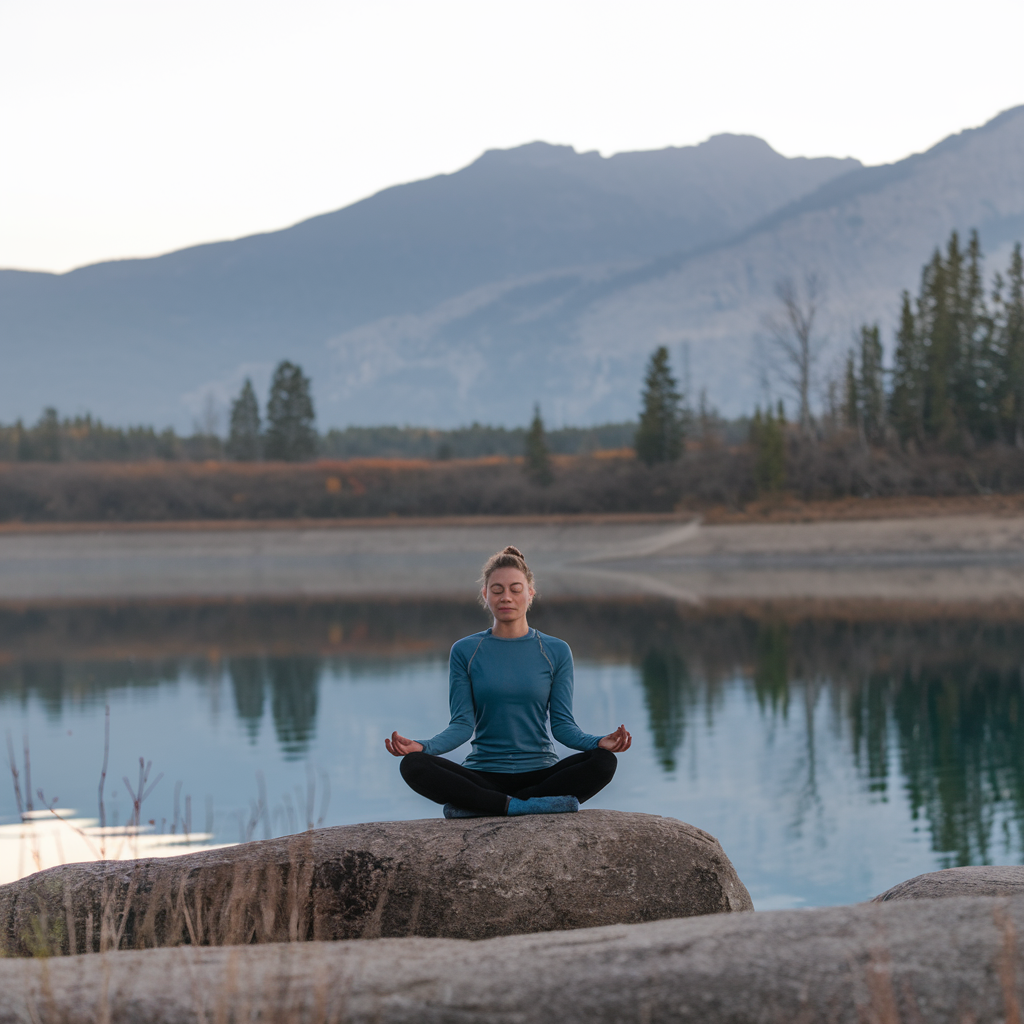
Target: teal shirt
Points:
(502, 692)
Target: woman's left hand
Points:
(617, 741)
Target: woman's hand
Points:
(617, 741)
(400, 746)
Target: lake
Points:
(834, 750)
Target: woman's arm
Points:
(563, 725)
(460, 702)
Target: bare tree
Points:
(793, 338)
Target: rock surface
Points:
(941, 962)
(467, 879)
(970, 881)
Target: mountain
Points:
(389, 303)
(865, 234)
(533, 274)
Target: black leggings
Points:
(446, 782)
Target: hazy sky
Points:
(133, 128)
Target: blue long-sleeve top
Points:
(501, 692)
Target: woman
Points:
(503, 685)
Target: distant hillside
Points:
(534, 274)
(866, 234)
(354, 295)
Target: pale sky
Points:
(134, 128)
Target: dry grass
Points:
(840, 479)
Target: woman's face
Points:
(507, 594)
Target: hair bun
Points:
(509, 557)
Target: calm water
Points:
(832, 757)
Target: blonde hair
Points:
(509, 557)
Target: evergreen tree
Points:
(538, 458)
(659, 437)
(956, 363)
(871, 386)
(768, 440)
(906, 402)
(291, 435)
(1009, 345)
(939, 282)
(851, 399)
(976, 370)
(23, 442)
(47, 437)
(244, 437)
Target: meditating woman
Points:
(504, 683)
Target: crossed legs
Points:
(443, 781)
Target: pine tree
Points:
(47, 439)
(905, 403)
(659, 437)
(768, 440)
(1009, 343)
(936, 320)
(976, 372)
(851, 399)
(244, 437)
(23, 444)
(538, 458)
(871, 385)
(291, 435)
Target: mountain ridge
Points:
(537, 273)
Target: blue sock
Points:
(543, 805)
(451, 811)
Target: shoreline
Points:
(941, 558)
(783, 509)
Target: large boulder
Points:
(940, 961)
(970, 881)
(468, 879)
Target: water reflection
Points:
(249, 685)
(771, 674)
(924, 709)
(667, 696)
(962, 755)
(293, 686)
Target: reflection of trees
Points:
(56, 684)
(667, 693)
(771, 675)
(962, 753)
(936, 699)
(869, 715)
(294, 686)
(249, 683)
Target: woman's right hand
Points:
(400, 746)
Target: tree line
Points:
(957, 377)
(956, 381)
(287, 431)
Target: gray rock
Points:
(467, 879)
(974, 881)
(940, 962)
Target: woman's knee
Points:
(604, 760)
(413, 764)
